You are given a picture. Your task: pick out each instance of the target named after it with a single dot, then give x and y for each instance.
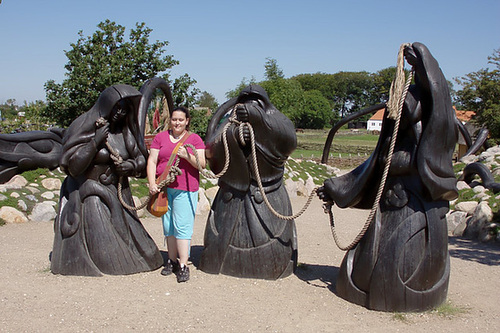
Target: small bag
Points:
(158, 203)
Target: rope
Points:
(259, 180)
(117, 160)
(397, 85)
(387, 165)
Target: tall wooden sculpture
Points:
(242, 237)
(94, 233)
(402, 261)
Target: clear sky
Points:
(221, 42)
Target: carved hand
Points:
(101, 134)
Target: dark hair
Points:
(182, 109)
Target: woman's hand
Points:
(153, 189)
(183, 153)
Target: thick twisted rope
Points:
(255, 169)
(117, 160)
(387, 165)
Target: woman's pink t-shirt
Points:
(189, 180)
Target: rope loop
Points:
(375, 207)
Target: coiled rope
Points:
(395, 105)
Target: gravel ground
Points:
(32, 299)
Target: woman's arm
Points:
(184, 153)
(151, 171)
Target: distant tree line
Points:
(314, 101)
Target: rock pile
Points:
(474, 217)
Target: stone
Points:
(310, 186)
(291, 187)
(301, 188)
(31, 197)
(479, 189)
(22, 205)
(51, 183)
(2, 197)
(32, 189)
(137, 202)
(203, 203)
(15, 195)
(211, 192)
(461, 185)
(455, 219)
(43, 212)
(468, 159)
(48, 195)
(17, 181)
(481, 217)
(466, 206)
(12, 215)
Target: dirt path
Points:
(32, 299)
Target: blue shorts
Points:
(178, 221)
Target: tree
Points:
(272, 71)
(104, 59)
(481, 93)
(207, 100)
(316, 112)
(9, 110)
(286, 95)
(34, 114)
(382, 84)
(236, 91)
(183, 91)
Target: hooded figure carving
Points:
(402, 262)
(94, 234)
(242, 236)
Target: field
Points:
(349, 147)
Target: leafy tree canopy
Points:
(481, 93)
(207, 100)
(106, 58)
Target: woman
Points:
(94, 233)
(182, 193)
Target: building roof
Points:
(464, 116)
(379, 115)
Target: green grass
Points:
(310, 143)
(33, 175)
(399, 316)
(447, 310)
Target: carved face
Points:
(118, 113)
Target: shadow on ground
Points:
(472, 250)
(311, 274)
(194, 256)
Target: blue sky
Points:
(219, 43)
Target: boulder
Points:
(481, 217)
(210, 193)
(466, 206)
(51, 183)
(203, 203)
(456, 221)
(12, 215)
(291, 187)
(43, 212)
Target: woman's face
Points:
(178, 122)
